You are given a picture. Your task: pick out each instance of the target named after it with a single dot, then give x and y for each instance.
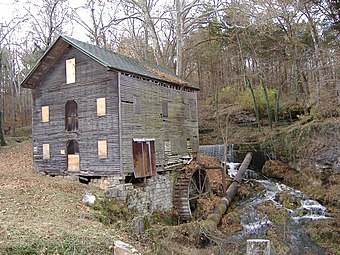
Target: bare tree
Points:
(101, 27)
(47, 20)
(6, 29)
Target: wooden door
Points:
(144, 157)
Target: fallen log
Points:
(214, 218)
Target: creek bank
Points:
(308, 179)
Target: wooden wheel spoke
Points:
(193, 181)
(199, 181)
(204, 182)
(195, 197)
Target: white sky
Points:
(11, 8)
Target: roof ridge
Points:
(116, 61)
(152, 70)
(69, 38)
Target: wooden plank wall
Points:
(92, 81)
(179, 126)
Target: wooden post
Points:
(214, 218)
(258, 247)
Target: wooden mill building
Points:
(97, 113)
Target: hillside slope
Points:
(44, 214)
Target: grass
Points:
(68, 243)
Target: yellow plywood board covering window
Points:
(73, 162)
(45, 114)
(46, 151)
(101, 106)
(71, 70)
(102, 149)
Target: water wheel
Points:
(190, 186)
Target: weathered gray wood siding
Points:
(92, 81)
(179, 126)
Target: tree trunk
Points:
(317, 54)
(179, 38)
(256, 108)
(269, 111)
(13, 107)
(277, 106)
(2, 137)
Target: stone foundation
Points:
(107, 182)
(155, 195)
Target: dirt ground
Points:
(43, 211)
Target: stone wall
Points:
(155, 195)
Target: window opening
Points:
(71, 116)
(165, 111)
(186, 111)
(167, 148)
(136, 105)
(73, 159)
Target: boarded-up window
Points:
(46, 151)
(144, 157)
(101, 106)
(136, 105)
(73, 159)
(70, 70)
(45, 114)
(102, 149)
(71, 115)
(165, 112)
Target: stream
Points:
(256, 223)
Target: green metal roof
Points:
(122, 63)
(108, 59)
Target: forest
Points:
(266, 54)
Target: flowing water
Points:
(256, 224)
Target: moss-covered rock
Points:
(283, 172)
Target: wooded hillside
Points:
(267, 55)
